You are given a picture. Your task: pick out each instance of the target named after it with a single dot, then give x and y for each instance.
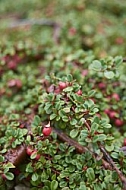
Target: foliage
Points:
(69, 77)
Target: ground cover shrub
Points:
(62, 98)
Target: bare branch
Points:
(109, 159)
(63, 137)
(29, 22)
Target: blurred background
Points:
(98, 25)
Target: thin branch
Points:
(87, 125)
(30, 22)
(56, 33)
(16, 156)
(42, 22)
(63, 137)
(109, 159)
(81, 149)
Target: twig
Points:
(62, 136)
(109, 159)
(56, 33)
(29, 22)
(87, 125)
(16, 156)
(81, 149)
(42, 22)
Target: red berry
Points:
(12, 83)
(57, 90)
(12, 65)
(112, 114)
(15, 82)
(124, 142)
(93, 99)
(85, 168)
(102, 85)
(3, 176)
(107, 111)
(22, 125)
(85, 72)
(18, 83)
(17, 58)
(119, 40)
(79, 92)
(47, 131)
(62, 85)
(98, 115)
(29, 151)
(37, 157)
(116, 96)
(119, 122)
(72, 31)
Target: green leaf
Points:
(66, 110)
(63, 183)
(94, 127)
(71, 149)
(3, 150)
(57, 157)
(91, 93)
(109, 74)
(84, 133)
(97, 186)
(88, 103)
(109, 148)
(65, 118)
(63, 147)
(82, 187)
(28, 138)
(96, 65)
(54, 185)
(118, 60)
(93, 111)
(59, 104)
(53, 116)
(108, 126)
(115, 155)
(73, 122)
(35, 177)
(24, 131)
(33, 155)
(45, 188)
(74, 133)
(48, 108)
(36, 121)
(53, 177)
(68, 89)
(90, 174)
(100, 137)
(29, 168)
(9, 175)
(69, 77)
(1, 158)
(9, 165)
